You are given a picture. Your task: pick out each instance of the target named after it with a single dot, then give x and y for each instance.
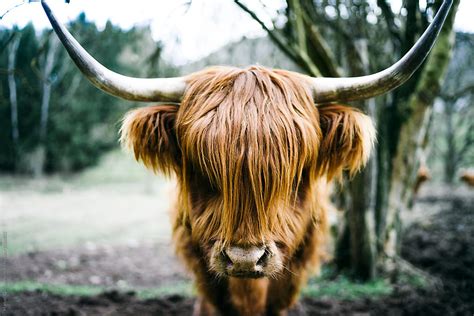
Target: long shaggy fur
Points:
(252, 155)
(251, 133)
(347, 141)
(149, 132)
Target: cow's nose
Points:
(248, 259)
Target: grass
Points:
(414, 281)
(342, 287)
(64, 290)
(181, 288)
(116, 202)
(116, 167)
(321, 288)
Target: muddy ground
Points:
(441, 244)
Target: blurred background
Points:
(86, 228)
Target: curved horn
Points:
(358, 88)
(129, 88)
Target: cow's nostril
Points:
(263, 259)
(245, 258)
(226, 259)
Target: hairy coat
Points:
(252, 155)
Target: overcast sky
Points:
(190, 32)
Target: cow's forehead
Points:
(252, 130)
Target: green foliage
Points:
(63, 289)
(415, 281)
(342, 287)
(181, 288)
(82, 122)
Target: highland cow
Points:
(252, 155)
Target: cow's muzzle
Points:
(246, 261)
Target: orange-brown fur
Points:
(422, 175)
(252, 155)
(467, 177)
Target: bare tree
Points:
(47, 78)
(341, 38)
(458, 116)
(47, 81)
(12, 53)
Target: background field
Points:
(117, 202)
(107, 230)
(85, 229)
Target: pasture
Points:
(384, 108)
(99, 242)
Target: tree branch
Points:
(411, 29)
(326, 57)
(12, 8)
(466, 146)
(295, 15)
(301, 58)
(275, 37)
(390, 19)
(9, 39)
(458, 94)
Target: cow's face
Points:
(248, 148)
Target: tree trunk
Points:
(40, 152)
(384, 188)
(410, 137)
(360, 216)
(46, 95)
(12, 52)
(450, 155)
(370, 232)
(357, 245)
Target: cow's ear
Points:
(150, 133)
(348, 139)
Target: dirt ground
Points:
(144, 265)
(441, 244)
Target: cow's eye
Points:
(201, 194)
(301, 186)
(201, 189)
